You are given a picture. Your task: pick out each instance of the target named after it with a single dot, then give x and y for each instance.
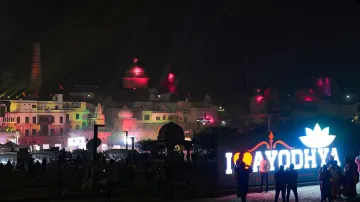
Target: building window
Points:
(77, 127)
(147, 117)
(33, 106)
(27, 132)
(164, 117)
(61, 119)
(158, 118)
(61, 131)
(26, 119)
(56, 107)
(77, 116)
(67, 118)
(52, 131)
(185, 119)
(17, 119)
(34, 119)
(33, 132)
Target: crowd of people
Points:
(334, 181)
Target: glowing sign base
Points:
(302, 159)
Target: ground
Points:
(308, 193)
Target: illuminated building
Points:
(323, 85)
(135, 77)
(50, 123)
(143, 120)
(143, 111)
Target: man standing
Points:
(292, 176)
(242, 179)
(264, 172)
(280, 183)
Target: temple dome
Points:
(125, 113)
(171, 132)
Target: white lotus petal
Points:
(309, 132)
(317, 142)
(325, 131)
(317, 129)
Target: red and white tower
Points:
(36, 69)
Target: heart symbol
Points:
(247, 158)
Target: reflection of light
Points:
(187, 139)
(347, 96)
(223, 123)
(88, 95)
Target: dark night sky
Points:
(205, 42)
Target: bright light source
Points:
(89, 95)
(259, 98)
(128, 140)
(347, 96)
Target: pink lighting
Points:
(320, 82)
(171, 77)
(137, 71)
(259, 98)
(308, 99)
(258, 90)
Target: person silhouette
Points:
(280, 183)
(242, 179)
(292, 177)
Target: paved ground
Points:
(308, 193)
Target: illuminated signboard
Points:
(316, 140)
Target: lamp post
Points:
(132, 149)
(126, 139)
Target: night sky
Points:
(204, 43)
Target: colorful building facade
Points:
(49, 123)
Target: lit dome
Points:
(135, 70)
(125, 113)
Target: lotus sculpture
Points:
(317, 138)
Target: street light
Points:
(126, 139)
